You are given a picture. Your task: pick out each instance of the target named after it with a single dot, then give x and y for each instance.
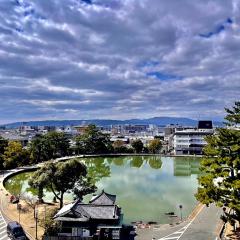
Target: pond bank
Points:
(132, 175)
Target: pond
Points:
(146, 186)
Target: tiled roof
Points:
(96, 211)
(104, 199)
(101, 207)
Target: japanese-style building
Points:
(101, 218)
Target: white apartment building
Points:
(192, 141)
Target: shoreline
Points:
(7, 174)
(18, 170)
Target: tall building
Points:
(192, 140)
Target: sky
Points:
(118, 59)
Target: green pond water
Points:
(146, 186)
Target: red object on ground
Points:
(12, 198)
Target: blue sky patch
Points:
(87, 1)
(148, 64)
(164, 76)
(218, 29)
(20, 30)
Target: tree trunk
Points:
(61, 200)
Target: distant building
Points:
(191, 141)
(100, 218)
(14, 135)
(81, 129)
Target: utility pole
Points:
(180, 207)
(19, 206)
(36, 221)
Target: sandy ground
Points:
(230, 234)
(26, 215)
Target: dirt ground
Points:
(26, 215)
(231, 234)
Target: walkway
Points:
(3, 228)
(203, 226)
(3, 224)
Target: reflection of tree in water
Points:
(155, 162)
(137, 161)
(97, 168)
(118, 161)
(15, 185)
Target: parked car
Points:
(15, 231)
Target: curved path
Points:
(3, 222)
(206, 225)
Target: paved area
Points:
(203, 226)
(3, 225)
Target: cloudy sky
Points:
(118, 59)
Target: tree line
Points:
(54, 144)
(220, 179)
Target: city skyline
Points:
(111, 59)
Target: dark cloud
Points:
(118, 59)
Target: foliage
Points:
(97, 169)
(39, 180)
(3, 145)
(118, 144)
(51, 227)
(137, 161)
(155, 146)
(220, 183)
(63, 177)
(137, 146)
(155, 162)
(15, 155)
(49, 146)
(93, 141)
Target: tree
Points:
(15, 155)
(137, 146)
(155, 146)
(59, 144)
(120, 147)
(40, 149)
(51, 227)
(3, 145)
(49, 146)
(63, 177)
(220, 182)
(93, 141)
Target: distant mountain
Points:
(160, 121)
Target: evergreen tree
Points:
(93, 141)
(3, 145)
(137, 145)
(49, 146)
(63, 177)
(220, 182)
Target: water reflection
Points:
(146, 186)
(97, 168)
(137, 161)
(186, 167)
(155, 162)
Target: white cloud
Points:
(59, 53)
